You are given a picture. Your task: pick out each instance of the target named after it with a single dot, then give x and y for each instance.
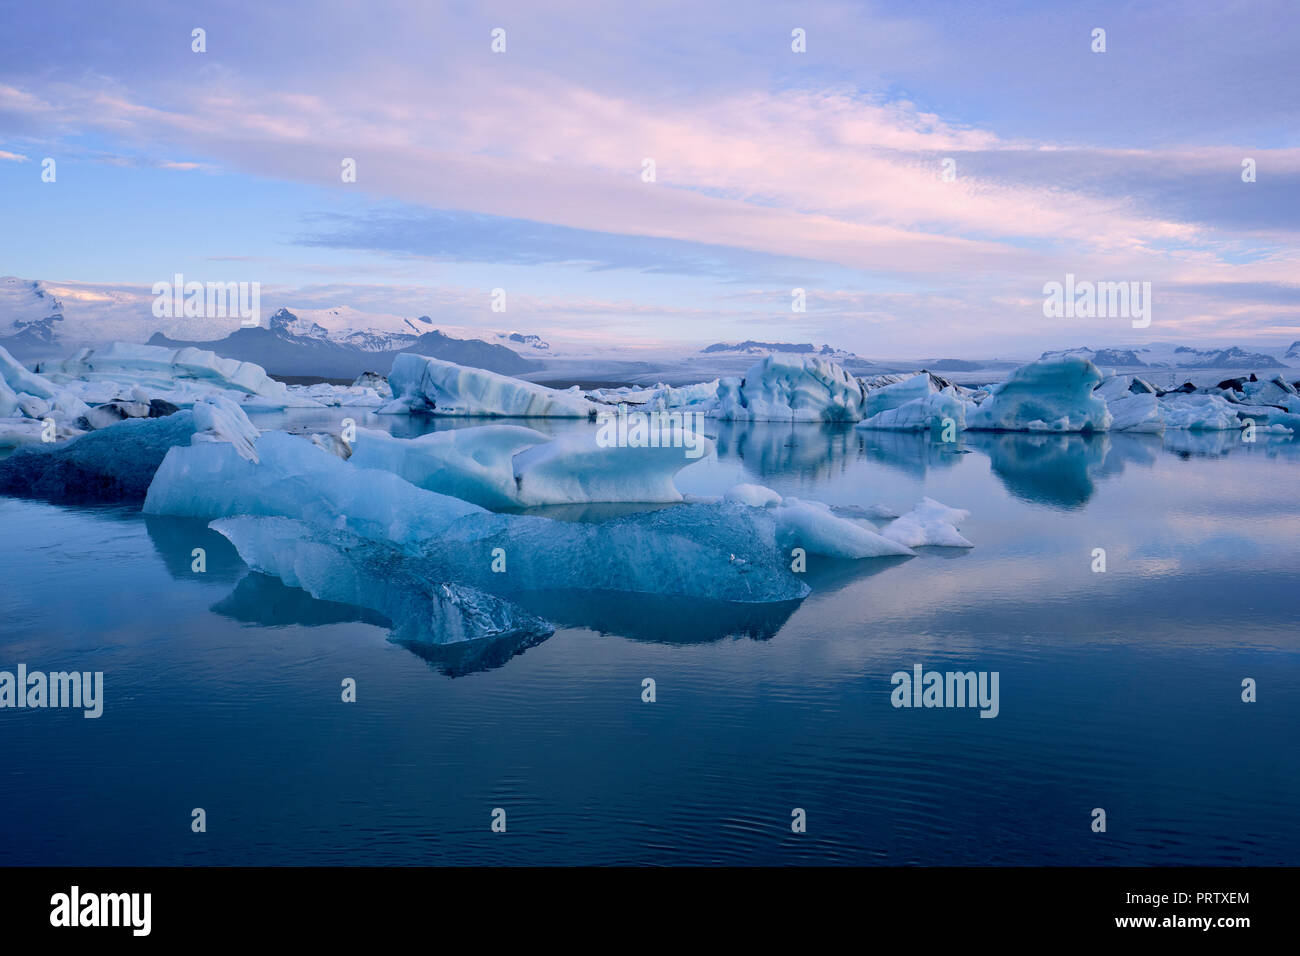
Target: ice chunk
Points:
(755, 496)
(25, 393)
(347, 396)
(510, 466)
(182, 376)
(719, 551)
(424, 384)
(581, 468)
(702, 396)
(813, 526)
(930, 523)
(929, 412)
(1050, 395)
(785, 388)
(339, 566)
(1134, 412)
(476, 464)
(899, 393)
(219, 419)
(296, 479)
(16, 431)
(112, 465)
(1198, 412)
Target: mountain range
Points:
(292, 346)
(1162, 355)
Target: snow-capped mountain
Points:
(750, 347)
(29, 316)
(1165, 355)
(531, 341)
(300, 345)
(1293, 353)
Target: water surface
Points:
(1119, 690)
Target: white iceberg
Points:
(785, 388)
(181, 376)
(754, 496)
(25, 394)
(1198, 412)
(929, 524)
(476, 464)
(500, 466)
(432, 386)
(844, 532)
(1132, 404)
(812, 526)
(916, 404)
(295, 479)
(1053, 395)
(692, 550)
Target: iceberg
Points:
(502, 466)
(25, 394)
(337, 566)
(755, 496)
(1198, 412)
(1054, 395)
(580, 468)
(812, 526)
(182, 376)
(296, 479)
(115, 464)
(432, 386)
(476, 464)
(820, 529)
(791, 388)
(118, 463)
(915, 404)
(1132, 404)
(704, 550)
(929, 524)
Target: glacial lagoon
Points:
(1119, 689)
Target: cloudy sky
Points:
(774, 169)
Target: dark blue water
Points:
(1119, 690)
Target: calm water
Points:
(1119, 690)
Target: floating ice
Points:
(1051, 395)
(914, 405)
(816, 527)
(112, 465)
(296, 479)
(929, 524)
(785, 388)
(430, 385)
(118, 463)
(219, 419)
(476, 464)
(182, 376)
(714, 550)
(812, 526)
(510, 466)
(339, 566)
(1198, 412)
(755, 496)
(24, 394)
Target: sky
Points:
(774, 170)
